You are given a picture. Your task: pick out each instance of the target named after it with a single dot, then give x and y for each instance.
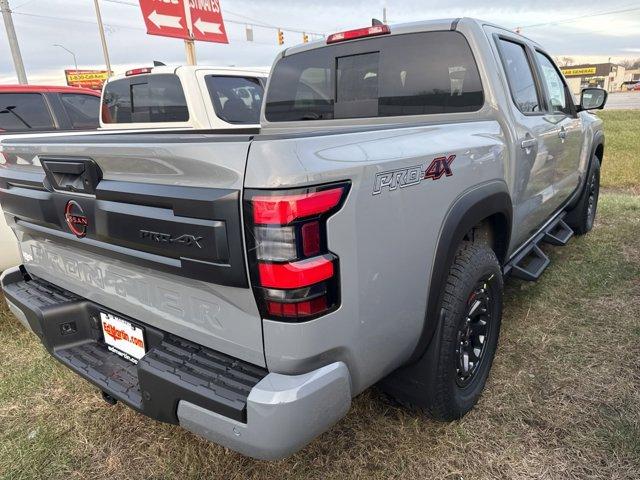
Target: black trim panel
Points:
(189, 231)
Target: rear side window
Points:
(83, 110)
(24, 112)
(236, 99)
(145, 99)
(412, 74)
(519, 76)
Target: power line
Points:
(588, 15)
(115, 26)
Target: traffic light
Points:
(280, 37)
(305, 38)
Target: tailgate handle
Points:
(80, 176)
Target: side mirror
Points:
(593, 99)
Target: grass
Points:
(622, 149)
(562, 401)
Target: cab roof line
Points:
(454, 24)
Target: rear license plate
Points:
(123, 337)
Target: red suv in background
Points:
(36, 108)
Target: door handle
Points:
(528, 143)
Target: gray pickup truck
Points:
(247, 284)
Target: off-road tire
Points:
(473, 264)
(582, 217)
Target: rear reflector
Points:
(138, 71)
(282, 210)
(297, 274)
(300, 309)
(359, 33)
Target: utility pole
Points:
(105, 51)
(384, 15)
(13, 42)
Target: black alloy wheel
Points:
(473, 333)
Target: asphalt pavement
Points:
(623, 101)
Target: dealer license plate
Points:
(123, 337)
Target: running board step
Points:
(530, 263)
(558, 233)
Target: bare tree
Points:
(564, 61)
(630, 64)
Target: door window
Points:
(83, 110)
(520, 77)
(558, 101)
(23, 112)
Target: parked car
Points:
(36, 108)
(247, 284)
(630, 85)
(184, 97)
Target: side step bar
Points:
(532, 261)
(558, 233)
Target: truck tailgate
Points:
(146, 224)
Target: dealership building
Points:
(604, 75)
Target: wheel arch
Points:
(597, 146)
(490, 202)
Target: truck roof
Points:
(410, 27)
(246, 71)
(46, 89)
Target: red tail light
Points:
(358, 33)
(295, 277)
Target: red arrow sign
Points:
(206, 20)
(165, 18)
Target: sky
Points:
(584, 30)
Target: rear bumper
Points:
(228, 401)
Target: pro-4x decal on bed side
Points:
(408, 176)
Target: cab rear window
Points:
(235, 99)
(411, 74)
(145, 99)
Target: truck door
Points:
(566, 144)
(534, 169)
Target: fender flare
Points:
(468, 210)
(598, 139)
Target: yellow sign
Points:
(86, 78)
(573, 72)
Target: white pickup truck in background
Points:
(184, 97)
